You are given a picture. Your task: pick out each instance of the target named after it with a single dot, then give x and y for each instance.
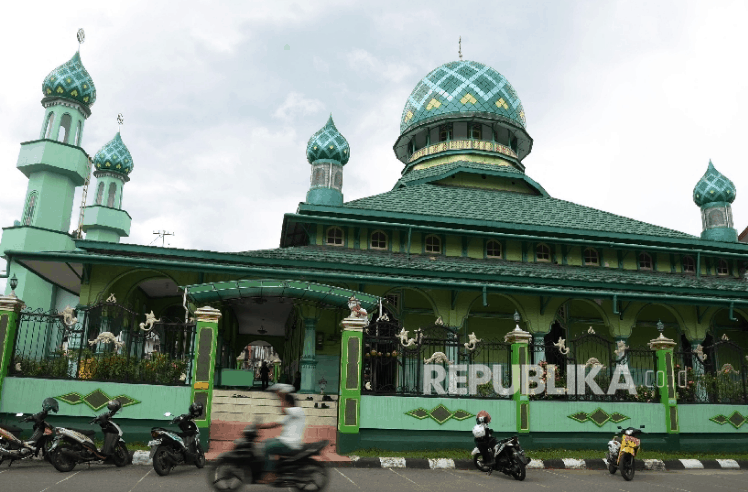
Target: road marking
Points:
(729, 464)
(67, 478)
(406, 478)
(461, 478)
(354, 483)
(392, 462)
(141, 479)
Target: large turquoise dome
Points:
(713, 187)
(71, 81)
(328, 144)
(462, 87)
(114, 157)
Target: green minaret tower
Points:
(327, 152)
(55, 164)
(714, 193)
(104, 219)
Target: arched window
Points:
(591, 257)
(334, 236)
(445, 132)
(378, 240)
(493, 249)
(28, 216)
(433, 244)
(411, 147)
(50, 122)
(476, 131)
(689, 266)
(645, 261)
(542, 253)
(722, 267)
(78, 135)
(64, 133)
(112, 193)
(100, 194)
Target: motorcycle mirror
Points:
(620, 427)
(641, 427)
(167, 414)
(19, 414)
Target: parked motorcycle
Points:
(509, 457)
(244, 464)
(73, 446)
(169, 449)
(622, 453)
(13, 448)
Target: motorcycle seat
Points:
(85, 432)
(307, 450)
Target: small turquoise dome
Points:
(462, 87)
(71, 81)
(114, 157)
(328, 143)
(713, 187)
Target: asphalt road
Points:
(41, 477)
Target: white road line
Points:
(141, 479)
(462, 478)
(354, 483)
(406, 478)
(67, 478)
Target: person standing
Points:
(264, 374)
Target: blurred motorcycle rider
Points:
(482, 434)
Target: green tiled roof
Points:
(429, 172)
(114, 156)
(505, 207)
(71, 81)
(713, 187)
(497, 270)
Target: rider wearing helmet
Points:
(290, 440)
(50, 405)
(196, 409)
(482, 434)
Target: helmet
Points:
(196, 409)
(483, 418)
(50, 404)
(114, 405)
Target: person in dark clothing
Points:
(297, 381)
(264, 372)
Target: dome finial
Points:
(459, 47)
(713, 187)
(81, 38)
(120, 122)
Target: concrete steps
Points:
(233, 410)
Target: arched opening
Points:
(378, 240)
(48, 125)
(78, 134)
(100, 194)
(64, 133)
(433, 244)
(334, 236)
(493, 249)
(112, 193)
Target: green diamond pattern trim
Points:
(96, 399)
(713, 187)
(462, 87)
(719, 419)
(736, 419)
(439, 414)
(114, 156)
(599, 417)
(71, 81)
(328, 144)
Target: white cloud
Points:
(366, 63)
(296, 105)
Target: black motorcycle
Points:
(509, 457)
(169, 449)
(13, 448)
(244, 464)
(73, 446)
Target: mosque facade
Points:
(466, 260)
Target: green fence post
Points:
(351, 358)
(10, 307)
(664, 347)
(205, 357)
(519, 340)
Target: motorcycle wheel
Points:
(61, 462)
(161, 462)
(627, 467)
(521, 472)
(611, 467)
(120, 455)
(200, 461)
(224, 476)
(313, 476)
(479, 463)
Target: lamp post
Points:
(13, 285)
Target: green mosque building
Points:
(466, 260)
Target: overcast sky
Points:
(626, 101)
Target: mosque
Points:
(466, 247)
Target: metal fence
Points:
(713, 374)
(395, 360)
(103, 343)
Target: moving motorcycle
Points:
(244, 464)
(72, 446)
(509, 458)
(621, 453)
(169, 449)
(13, 448)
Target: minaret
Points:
(104, 219)
(55, 164)
(327, 152)
(714, 193)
